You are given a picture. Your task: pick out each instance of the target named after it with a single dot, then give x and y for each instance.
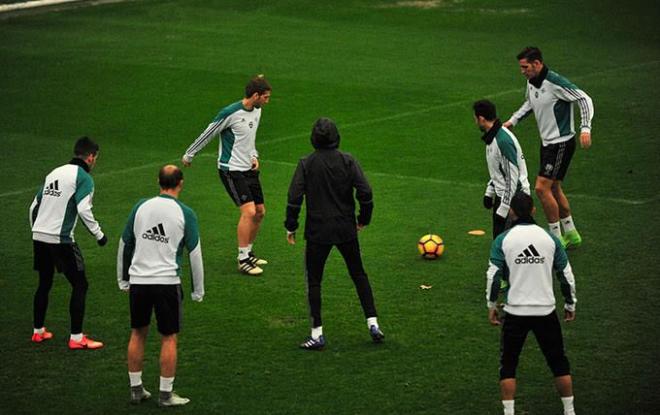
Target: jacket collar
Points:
(540, 78)
(490, 134)
(80, 162)
(524, 221)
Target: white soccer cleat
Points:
(246, 266)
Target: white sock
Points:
(243, 252)
(317, 332)
(76, 337)
(166, 384)
(249, 247)
(39, 331)
(508, 407)
(568, 224)
(372, 321)
(568, 405)
(135, 378)
(555, 229)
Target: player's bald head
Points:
(169, 176)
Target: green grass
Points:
(145, 77)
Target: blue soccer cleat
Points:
(376, 334)
(313, 344)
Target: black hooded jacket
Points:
(327, 178)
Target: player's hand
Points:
(488, 202)
(124, 286)
(198, 298)
(186, 161)
(291, 238)
(255, 163)
(585, 139)
(102, 241)
(360, 226)
(569, 316)
(508, 125)
(493, 318)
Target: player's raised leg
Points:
(543, 190)
(571, 236)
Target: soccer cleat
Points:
(246, 266)
(171, 399)
(39, 337)
(376, 334)
(313, 344)
(255, 260)
(85, 343)
(572, 239)
(139, 394)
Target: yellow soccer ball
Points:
(431, 246)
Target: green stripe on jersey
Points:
(562, 110)
(228, 139)
(84, 185)
(557, 79)
(69, 221)
(228, 110)
(508, 149)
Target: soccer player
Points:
(238, 165)
(66, 195)
(526, 256)
(148, 267)
(506, 164)
(327, 178)
(551, 96)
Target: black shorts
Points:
(555, 159)
(547, 331)
(242, 186)
(65, 258)
(165, 300)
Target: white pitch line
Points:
(5, 8)
(482, 186)
(451, 104)
(370, 173)
(392, 117)
(32, 4)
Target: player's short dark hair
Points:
(258, 84)
(169, 177)
(485, 109)
(531, 53)
(84, 147)
(522, 204)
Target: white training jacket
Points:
(525, 256)
(151, 246)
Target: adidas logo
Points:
(157, 233)
(530, 256)
(53, 189)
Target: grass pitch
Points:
(144, 78)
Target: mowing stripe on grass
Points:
(465, 102)
(393, 117)
(370, 173)
(482, 185)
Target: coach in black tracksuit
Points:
(327, 178)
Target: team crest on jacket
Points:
(157, 233)
(250, 124)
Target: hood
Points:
(325, 134)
